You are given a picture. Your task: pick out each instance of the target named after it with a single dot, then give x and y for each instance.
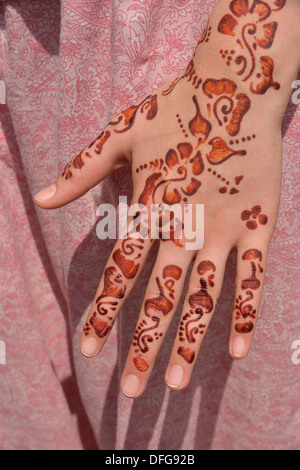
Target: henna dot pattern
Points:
(179, 120)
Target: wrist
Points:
(255, 44)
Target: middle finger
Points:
(161, 299)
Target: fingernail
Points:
(175, 376)
(131, 386)
(46, 194)
(89, 347)
(239, 346)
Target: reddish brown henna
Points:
(101, 327)
(206, 34)
(251, 283)
(187, 354)
(267, 68)
(243, 306)
(221, 152)
(227, 25)
(238, 114)
(200, 125)
(240, 7)
(213, 87)
(244, 328)
(149, 104)
(201, 303)
(155, 309)
(253, 217)
(141, 364)
(262, 28)
(172, 271)
(252, 254)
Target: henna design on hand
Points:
(243, 307)
(201, 303)
(252, 36)
(155, 309)
(148, 106)
(256, 216)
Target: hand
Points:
(203, 138)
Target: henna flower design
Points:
(253, 217)
(258, 33)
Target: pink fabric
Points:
(68, 68)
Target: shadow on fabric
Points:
(40, 17)
(70, 386)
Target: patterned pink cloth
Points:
(69, 67)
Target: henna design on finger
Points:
(187, 354)
(243, 308)
(253, 217)
(148, 107)
(115, 285)
(155, 309)
(201, 304)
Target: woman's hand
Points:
(212, 137)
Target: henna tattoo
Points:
(141, 364)
(225, 189)
(115, 285)
(199, 125)
(67, 173)
(201, 304)
(221, 152)
(155, 309)
(174, 160)
(253, 217)
(263, 34)
(229, 109)
(206, 34)
(191, 76)
(243, 307)
(182, 126)
(149, 107)
(187, 354)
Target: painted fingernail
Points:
(175, 376)
(239, 346)
(89, 347)
(46, 194)
(131, 386)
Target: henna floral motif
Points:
(201, 304)
(183, 161)
(253, 217)
(251, 37)
(155, 309)
(243, 307)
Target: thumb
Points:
(106, 154)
